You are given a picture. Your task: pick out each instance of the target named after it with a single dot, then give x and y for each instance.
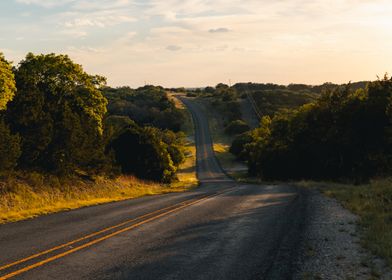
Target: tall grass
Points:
(28, 195)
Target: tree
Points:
(58, 111)
(236, 127)
(140, 151)
(7, 82)
(9, 143)
(9, 148)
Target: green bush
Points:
(140, 152)
(9, 148)
(236, 127)
(237, 148)
(7, 82)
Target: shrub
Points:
(236, 127)
(237, 148)
(140, 152)
(9, 148)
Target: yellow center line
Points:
(88, 236)
(58, 256)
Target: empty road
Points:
(221, 230)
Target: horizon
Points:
(195, 43)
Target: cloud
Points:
(97, 20)
(173, 48)
(219, 30)
(138, 38)
(45, 3)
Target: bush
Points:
(9, 148)
(140, 152)
(7, 82)
(237, 148)
(236, 127)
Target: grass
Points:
(29, 195)
(373, 204)
(186, 174)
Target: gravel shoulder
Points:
(331, 247)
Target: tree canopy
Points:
(7, 82)
(58, 111)
(345, 134)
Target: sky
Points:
(196, 43)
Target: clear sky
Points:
(203, 42)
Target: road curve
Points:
(222, 230)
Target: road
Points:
(222, 230)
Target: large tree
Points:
(58, 111)
(7, 82)
(9, 143)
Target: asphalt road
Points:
(222, 230)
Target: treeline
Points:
(346, 134)
(56, 118)
(225, 100)
(318, 89)
(147, 106)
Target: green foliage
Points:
(147, 106)
(236, 127)
(9, 148)
(270, 102)
(141, 152)
(238, 147)
(58, 111)
(345, 134)
(7, 82)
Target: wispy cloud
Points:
(309, 41)
(219, 30)
(173, 48)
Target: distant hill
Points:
(271, 98)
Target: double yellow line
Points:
(144, 219)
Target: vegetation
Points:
(149, 153)
(271, 98)
(58, 111)
(236, 127)
(147, 106)
(65, 122)
(7, 82)
(372, 202)
(9, 143)
(344, 135)
(186, 172)
(32, 194)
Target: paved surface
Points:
(222, 230)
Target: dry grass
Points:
(29, 195)
(187, 171)
(186, 174)
(373, 204)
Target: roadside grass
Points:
(28, 195)
(187, 174)
(25, 195)
(373, 204)
(187, 171)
